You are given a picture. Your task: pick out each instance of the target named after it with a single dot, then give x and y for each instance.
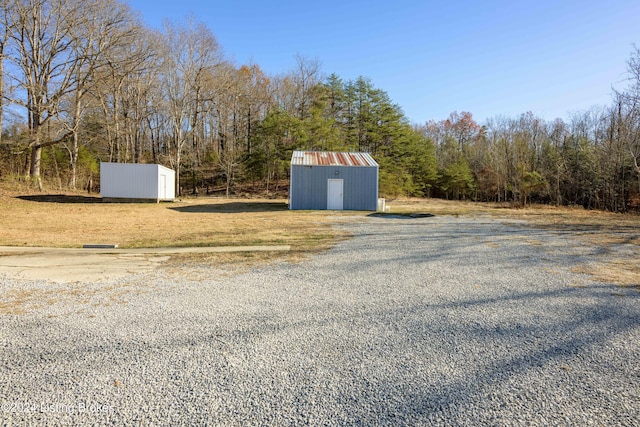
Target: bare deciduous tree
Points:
(5, 27)
(190, 50)
(43, 37)
(104, 25)
(306, 76)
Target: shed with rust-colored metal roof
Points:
(333, 180)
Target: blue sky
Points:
(491, 58)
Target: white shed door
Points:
(163, 186)
(334, 194)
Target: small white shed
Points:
(137, 181)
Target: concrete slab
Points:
(4, 250)
(81, 264)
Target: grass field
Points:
(71, 220)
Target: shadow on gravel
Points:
(513, 349)
(61, 198)
(591, 327)
(233, 207)
(400, 215)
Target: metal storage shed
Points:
(334, 181)
(137, 181)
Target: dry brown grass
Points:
(72, 220)
(405, 206)
(19, 301)
(623, 271)
(14, 301)
(28, 219)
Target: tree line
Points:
(86, 81)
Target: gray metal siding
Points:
(309, 187)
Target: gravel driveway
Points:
(427, 321)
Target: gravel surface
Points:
(426, 321)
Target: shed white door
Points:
(334, 194)
(163, 186)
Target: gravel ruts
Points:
(424, 321)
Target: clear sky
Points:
(491, 58)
